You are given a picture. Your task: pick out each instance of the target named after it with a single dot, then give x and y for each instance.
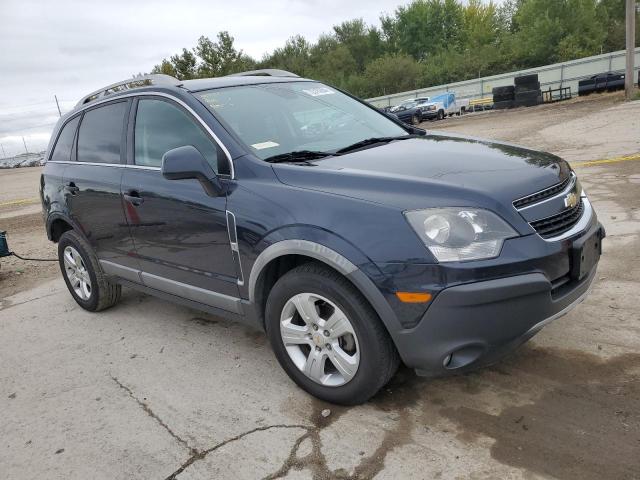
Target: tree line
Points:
(427, 42)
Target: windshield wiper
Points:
(295, 156)
(371, 141)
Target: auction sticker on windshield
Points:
(263, 145)
(316, 92)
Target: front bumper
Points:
(475, 324)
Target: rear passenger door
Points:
(92, 181)
(180, 232)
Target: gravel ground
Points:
(152, 390)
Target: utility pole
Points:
(25, 145)
(631, 50)
(57, 105)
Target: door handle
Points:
(71, 188)
(134, 198)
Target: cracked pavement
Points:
(152, 390)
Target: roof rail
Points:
(129, 84)
(265, 72)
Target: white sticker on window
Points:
(263, 145)
(316, 92)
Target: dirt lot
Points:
(151, 390)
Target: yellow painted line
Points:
(23, 201)
(626, 158)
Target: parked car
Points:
(441, 106)
(355, 241)
(403, 105)
(411, 112)
(608, 81)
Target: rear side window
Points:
(62, 150)
(100, 134)
(161, 126)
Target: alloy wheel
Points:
(320, 339)
(77, 273)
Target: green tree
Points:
(221, 57)
(556, 30)
(295, 56)
(425, 27)
(391, 73)
(363, 42)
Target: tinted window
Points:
(100, 134)
(161, 126)
(62, 150)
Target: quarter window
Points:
(161, 126)
(100, 134)
(62, 150)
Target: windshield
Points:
(277, 118)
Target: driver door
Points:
(179, 232)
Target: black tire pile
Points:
(525, 93)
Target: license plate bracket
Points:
(585, 253)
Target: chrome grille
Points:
(560, 223)
(543, 194)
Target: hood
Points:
(434, 170)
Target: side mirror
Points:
(187, 162)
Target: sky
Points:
(69, 48)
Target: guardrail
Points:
(557, 75)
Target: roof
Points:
(232, 81)
(252, 77)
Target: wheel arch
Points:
(57, 224)
(284, 255)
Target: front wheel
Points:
(415, 119)
(327, 337)
(440, 114)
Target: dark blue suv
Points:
(356, 241)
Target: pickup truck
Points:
(440, 106)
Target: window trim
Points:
(178, 101)
(123, 133)
(73, 141)
(131, 137)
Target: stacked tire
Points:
(503, 97)
(527, 91)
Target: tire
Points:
(505, 90)
(101, 293)
(415, 119)
(527, 98)
(526, 79)
(440, 115)
(503, 105)
(378, 359)
(527, 87)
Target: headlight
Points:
(459, 233)
(431, 107)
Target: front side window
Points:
(276, 118)
(161, 126)
(62, 150)
(100, 135)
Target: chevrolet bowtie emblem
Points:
(571, 200)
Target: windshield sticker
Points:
(316, 92)
(263, 145)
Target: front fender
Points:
(330, 250)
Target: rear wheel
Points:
(85, 280)
(327, 337)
